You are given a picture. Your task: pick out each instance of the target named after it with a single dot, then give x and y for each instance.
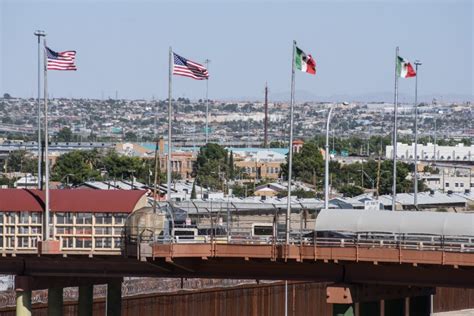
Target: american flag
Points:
(187, 68)
(61, 60)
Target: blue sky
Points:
(123, 46)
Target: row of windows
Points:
(270, 170)
(11, 242)
(63, 218)
(458, 185)
(433, 157)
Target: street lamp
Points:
(39, 34)
(326, 166)
(415, 189)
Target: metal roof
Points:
(400, 222)
(73, 200)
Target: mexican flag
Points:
(304, 62)
(404, 68)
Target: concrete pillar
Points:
(23, 302)
(394, 307)
(86, 300)
(114, 298)
(55, 301)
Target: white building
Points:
(431, 152)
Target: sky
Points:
(122, 46)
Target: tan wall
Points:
(269, 170)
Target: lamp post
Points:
(39, 34)
(415, 188)
(326, 162)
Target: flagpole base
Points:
(49, 247)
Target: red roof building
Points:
(90, 201)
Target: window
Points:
(10, 218)
(83, 242)
(84, 218)
(67, 242)
(10, 242)
(36, 218)
(10, 230)
(83, 230)
(35, 230)
(64, 230)
(64, 218)
(117, 242)
(1, 218)
(103, 242)
(120, 219)
(23, 230)
(456, 185)
(461, 185)
(23, 217)
(447, 185)
(103, 218)
(22, 242)
(103, 230)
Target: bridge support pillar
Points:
(114, 297)
(86, 293)
(23, 302)
(55, 301)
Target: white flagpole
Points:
(46, 234)
(290, 146)
(395, 127)
(168, 166)
(207, 61)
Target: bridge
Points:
(102, 236)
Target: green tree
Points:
(81, 165)
(130, 136)
(211, 166)
(231, 166)
(64, 135)
(307, 163)
(21, 161)
(124, 167)
(193, 191)
(351, 190)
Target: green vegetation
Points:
(21, 161)
(212, 166)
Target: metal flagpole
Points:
(415, 189)
(290, 164)
(207, 102)
(290, 146)
(168, 162)
(46, 235)
(394, 139)
(39, 34)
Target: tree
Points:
(123, 167)
(130, 136)
(211, 167)
(351, 190)
(64, 135)
(231, 166)
(6, 96)
(306, 163)
(80, 165)
(193, 191)
(21, 161)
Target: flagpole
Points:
(46, 235)
(415, 188)
(39, 34)
(168, 162)
(290, 146)
(395, 110)
(207, 102)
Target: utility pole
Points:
(39, 34)
(265, 122)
